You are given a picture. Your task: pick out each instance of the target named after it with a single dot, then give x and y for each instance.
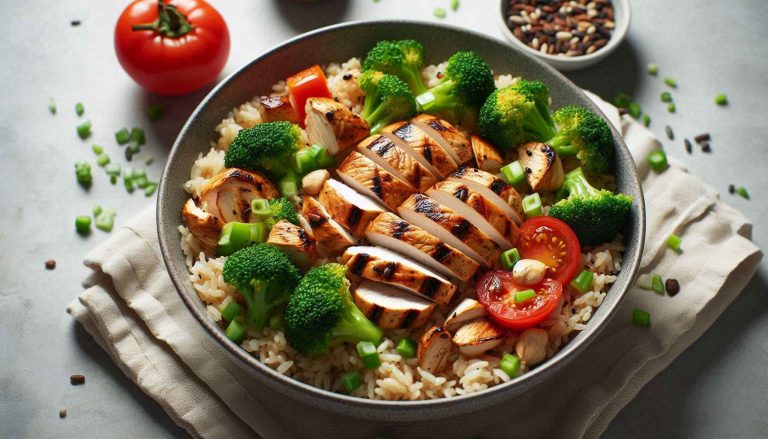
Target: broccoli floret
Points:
(595, 215)
(516, 114)
(321, 310)
(586, 135)
(265, 277)
(466, 83)
(282, 209)
(269, 146)
(403, 59)
(387, 99)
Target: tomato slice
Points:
(552, 242)
(309, 83)
(496, 291)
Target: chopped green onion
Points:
(113, 179)
(674, 242)
(112, 169)
(105, 220)
(232, 310)
(644, 281)
(666, 97)
(83, 173)
(646, 120)
(134, 147)
(657, 284)
(721, 99)
(137, 135)
(351, 381)
(368, 354)
(583, 281)
(97, 211)
(509, 258)
(235, 236)
(276, 321)
(634, 110)
(84, 129)
(128, 174)
(155, 112)
(742, 191)
(454, 5)
(83, 224)
(123, 136)
(128, 154)
(439, 12)
(622, 100)
(522, 296)
(532, 205)
(510, 364)
(671, 107)
(79, 109)
(670, 82)
(97, 149)
(150, 189)
(260, 208)
(141, 182)
(406, 347)
(322, 157)
(670, 133)
(149, 160)
(288, 186)
(658, 160)
(139, 173)
(51, 105)
(235, 332)
(641, 318)
(305, 161)
(102, 160)
(513, 173)
(128, 184)
(653, 69)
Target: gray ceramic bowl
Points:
(339, 43)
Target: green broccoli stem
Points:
(257, 314)
(379, 118)
(412, 77)
(371, 98)
(438, 98)
(576, 184)
(354, 327)
(562, 145)
(536, 127)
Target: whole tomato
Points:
(171, 47)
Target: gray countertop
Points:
(716, 388)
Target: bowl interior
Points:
(337, 44)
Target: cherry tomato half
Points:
(552, 242)
(309, 83)
(496, 291)
(171, 47)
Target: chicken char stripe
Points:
(431, 209)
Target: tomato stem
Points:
(169, 22)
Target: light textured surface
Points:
(715, 389)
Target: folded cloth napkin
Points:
(132, 310)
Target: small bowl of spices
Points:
(568, 34)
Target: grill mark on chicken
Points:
(306, 243)
(498, 186)
(242, 175)
(359, 263)
(381, 146)
(436, 125)
(410, 317)
(428, 153)
(461, 193)
(461, 229)
(430, 287)
(425, 206)
(387, 270)
(375, 313)
(400, 228)
(404, 131)
(549, 152)
(459, 172)
(441, 252)
(354, 216)
(376, 188)
(315, 219)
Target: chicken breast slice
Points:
(381, 265)
(205, 227)
(365, 176)
(228, 195)
(478, 336)
(468, 309)
(392, 308)
(481, 211)
(493, 188)
(451, 227)
(434, 349)
(447, 136)
(421, 146)
(295, 242)
(488, 159)
(396, 160)
(332, 239)
(333, 125)
(347, 207)
(277, 108)
(543, 168)
(394, 233)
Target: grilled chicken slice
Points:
(331, 237)
(450, 227)
(333, 125)
(295, 242)
(421, 146)
(347, 207)
(228, 195)
(370, 179)
(478, 336)
(396, 160)
(481, 211)
(276, 108)
(434, 349)
(447, 136)
(381, 265)
(486, 156)
(493, 188)
(543, 168)
(468, 309)
(203, 226)
(392, 232)
(392, 308)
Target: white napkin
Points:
(132, 310)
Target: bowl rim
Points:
(618, 36)
(326, 399)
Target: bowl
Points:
(339, 43)
(621, 13)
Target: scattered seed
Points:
(79, 108)
(454, 5)
(671, 107)
(688, 146)
(721, 99)
(672, 286)
(670, 82)
(50, 264)
(155, 112)
(439, 12)
(646, 120)
(77, 379)
(653, 69)
(742, 192)
(702, 138)
(670, 133)
(635, 110)
(51, 105)
(706, 148)
(731, 189)
(63, 413)
(75, 22)
(666, 97)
